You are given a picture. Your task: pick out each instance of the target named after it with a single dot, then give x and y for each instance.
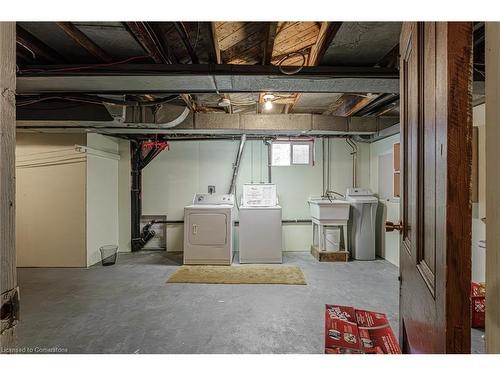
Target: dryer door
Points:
(207, 229)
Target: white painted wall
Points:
(101, 197)
(479, 209)
(387, 242)
(124, 196)
(171, 180)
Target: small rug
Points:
(275, 274)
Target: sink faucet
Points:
(331, 194)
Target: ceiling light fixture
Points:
(268, 102)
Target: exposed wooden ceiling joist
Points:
(84, 41)
(348, 104)
(326, 34)
(214, 48)
(269, 42)
(143, 36)
(146, 39)
(183, 34)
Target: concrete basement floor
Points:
(128, 307)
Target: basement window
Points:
(287, 153)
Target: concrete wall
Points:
(171, 180)
(101, 196)
(50, 201)
(387, 242)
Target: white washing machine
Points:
(363, 215)
(260, 234)
(208, 229)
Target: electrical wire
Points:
(97, 100)
(27, 48)
(295, 70)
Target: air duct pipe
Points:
(354, 154)
(236, 165)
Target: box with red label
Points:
(478, 304)
(341, 330)
(348, 330)
(376, 333)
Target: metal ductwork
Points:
(144, 121)
(163, 117)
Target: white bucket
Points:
(332, 239)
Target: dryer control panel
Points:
(213, 199)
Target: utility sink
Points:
(326, 209)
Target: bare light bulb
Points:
(268, 105)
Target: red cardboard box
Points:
(348, 330)
(341, 329)
(478, 304)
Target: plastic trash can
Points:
(108, 254)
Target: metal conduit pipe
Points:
(236, 222)
(236, 165)
(269, 161)
(354, 154)
(328, 180)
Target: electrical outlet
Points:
(211, 189)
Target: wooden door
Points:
(435, 233)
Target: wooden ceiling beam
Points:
(184, 35)
(269, 42)
(213, 44)
(348, 104)
(84, 41)
(145, 38)
(326, 34)
(216, 57)
(41, 50)
(141, 33)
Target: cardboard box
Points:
(478, 304)
(348, 330)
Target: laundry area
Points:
(209, 187)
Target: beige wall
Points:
(67, 201)
(50, 201)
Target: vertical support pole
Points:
(8, 279)
(492, 187)
(135, 195)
